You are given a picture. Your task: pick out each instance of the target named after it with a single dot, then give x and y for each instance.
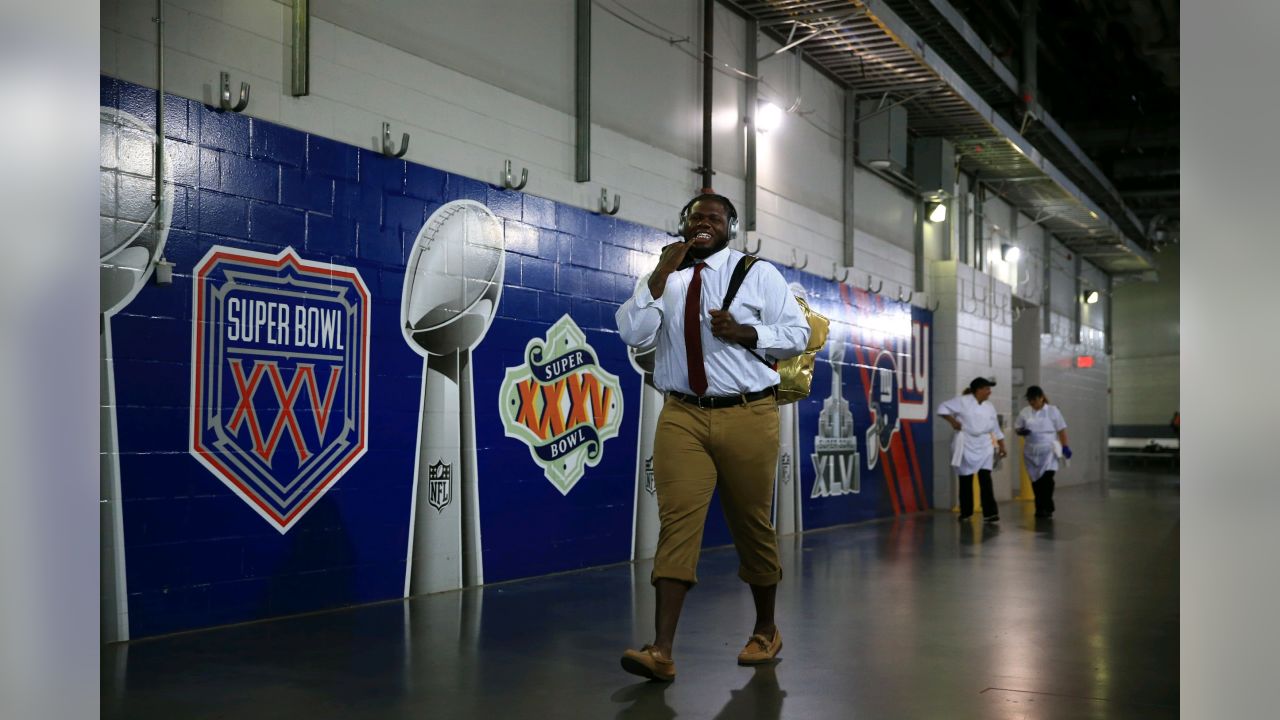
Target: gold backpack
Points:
(796, 373)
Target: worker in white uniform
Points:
(974, 447)
(1045, 431)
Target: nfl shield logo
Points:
(280, 377)
(440, 493)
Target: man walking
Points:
(719, 425)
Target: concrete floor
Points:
(919, 617)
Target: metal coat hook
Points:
(936, 304)
(877, 289)
(388, 148)
(840, 279)
(907, 299)
(801, 266)
(511, 185)
(604, 202)
(759, 244)
(224, 96)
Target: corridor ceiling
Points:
(958, 82)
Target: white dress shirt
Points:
(973, 448)
(764, 301)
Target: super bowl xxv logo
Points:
(280, 377)
(562, 404)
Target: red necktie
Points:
(693, 332)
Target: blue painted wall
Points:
(197, 555)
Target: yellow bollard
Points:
(1024, 489)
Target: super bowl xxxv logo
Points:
(562, 404)
(280, 376)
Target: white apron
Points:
(1041, 452)
(973, 448)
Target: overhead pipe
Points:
(1107, 347)
(159, 192)
(1078, 317)
(979, 224)
(582, 92)
(708, 73)
(300, 79)
(753, 101)
(850, 171)
(1030, 47)
(1046, 297)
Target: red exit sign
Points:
(1084, 361)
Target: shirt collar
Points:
(717, 259)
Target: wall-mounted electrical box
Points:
(933, 167)
(882, 136)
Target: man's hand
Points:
(955, 424)
(668, 262)
(726, 328)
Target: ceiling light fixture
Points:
(937, 212)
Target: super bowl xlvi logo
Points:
(440, 485)
(562, 404)
(280, 377)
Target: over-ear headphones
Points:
(733, 213)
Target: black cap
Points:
(980, 382)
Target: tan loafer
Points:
(760, 649)
(647, 663)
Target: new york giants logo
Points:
(279, 382)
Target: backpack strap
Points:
(735, 281)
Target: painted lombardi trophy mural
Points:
(134, 225)
(451, 292)
(644, 539)
(788, 505)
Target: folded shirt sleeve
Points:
(640, 317)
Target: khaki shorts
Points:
(695, 452)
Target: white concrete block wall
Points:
(1145, 389)
(1145, 368)
(1082, 396)
(472, 93)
